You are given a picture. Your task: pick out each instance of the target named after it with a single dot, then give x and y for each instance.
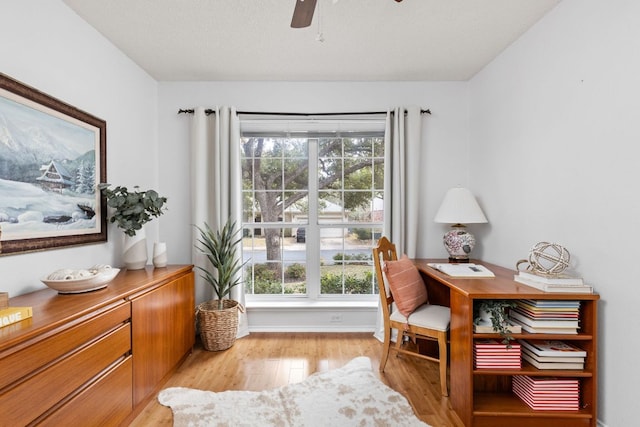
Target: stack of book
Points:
(547, 316)
(548, 394)
(553, 354)
(494, 354)
(562, 283)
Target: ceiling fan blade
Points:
(303, 13)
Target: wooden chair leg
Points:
(399, 340)
(442, 349)
(385, 349)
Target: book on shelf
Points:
(547, 394)
(552, 304)
(554, 404)
(499, 366)
(497, 358)
(552, 279)
(466, 270)
(559, 323)
(555, 348)
(544, 314)
(545, 287)
(550, 382)
(495, 343)
(562, 394)
(488, 329)
(530, 308)
(547, 359)
(11, 315)
(545, 330)
(551, 365)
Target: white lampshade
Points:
(460, 207)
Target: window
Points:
(313, 208)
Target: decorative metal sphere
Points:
(549, 258)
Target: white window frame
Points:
(309, 132)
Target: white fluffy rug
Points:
(348, 396)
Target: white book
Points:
(543, 323)
(463, 269)
(574, 289)
(558, 279)
(548, 359)
(544, 330)
(552, 365)
(555, 348)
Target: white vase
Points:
(159, 254)
(485, 318)
(135, 251)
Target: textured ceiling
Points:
(364, 40)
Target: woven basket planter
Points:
(218, 328)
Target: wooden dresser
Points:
(96, 358)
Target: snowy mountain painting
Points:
(49, 172)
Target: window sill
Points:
(319, 305)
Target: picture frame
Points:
(52, 158)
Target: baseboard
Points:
(312, 328)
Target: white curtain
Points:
(402, 184)
(216, 187)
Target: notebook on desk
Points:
(463, 270)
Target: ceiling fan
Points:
(303, 13)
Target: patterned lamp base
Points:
(459, 243)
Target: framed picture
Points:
(52, 158)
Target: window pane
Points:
(330, 147)
(347, 267)
(296, 174)
(287, 227)
(330, 207)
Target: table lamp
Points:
(458, 208)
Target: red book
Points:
(548, 382)
(494, 343)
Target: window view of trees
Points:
(313, 207)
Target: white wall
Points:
(545, 136)
(47, 46)
(554, 148)
(445, 133)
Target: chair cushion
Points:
(427, 316)
(405, 284)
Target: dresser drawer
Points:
(28, 358)
(106, 402)
(28, 399)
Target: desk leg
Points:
(461, 370)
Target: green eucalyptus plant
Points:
(498, 310)
(133, 209)
(220, 248)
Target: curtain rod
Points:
(210, 111)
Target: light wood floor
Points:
(267, 360)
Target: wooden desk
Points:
(483, 398)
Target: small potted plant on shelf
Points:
(133, 209)
(496, 314)
(218, 319)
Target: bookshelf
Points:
(484, 397)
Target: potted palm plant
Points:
(131, 210)
(218, 318)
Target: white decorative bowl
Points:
(75, 286)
